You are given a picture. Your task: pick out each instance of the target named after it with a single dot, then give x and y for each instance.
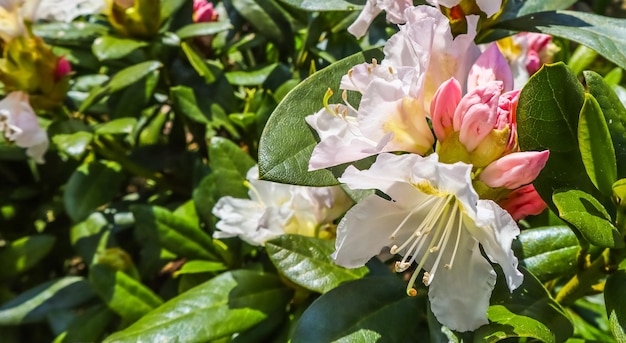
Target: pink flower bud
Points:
(537, 42)
(442, 107)
(490, 66)
(522, 202)
(476, 115)
(514, 170)
(507, 109)
(63, 68)
(203, 12)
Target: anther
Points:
(433, 249)
(401, 266)
(394, 249)
(426, 278)
(374, 62)
(412, 292)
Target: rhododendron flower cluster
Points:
(452, 188)
(275, 209)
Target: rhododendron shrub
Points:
(312, 171)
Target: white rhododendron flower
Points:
(13, 13)
(393, 8)
(435, 219)
(275, 209)
(68, 10)
(19, 123)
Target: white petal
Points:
(495, 230)
(490, 7)
(387, 171)
(365, 19)
(365, 230)
(459, 296)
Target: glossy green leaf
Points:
(616, 304)
(112, 47)
(73, 145)
(596, 147)
(306, 262)
(124, 295)
(326, 5)
(121, 126)
(547, 252)
(76, 33)
(185, 102)
(198, 63)
(547, 116)
(23, 254)
(230, 303)
(229, 166)
(85, 236)
(614, 77)
(174, 233)
(285, 157)
(362, 311)
(34, 304)
(581, 59)
(614, 114)
(590, 321)
(197, 267)
(587, 215)
(91, 185)
(605, 35)
(203, 29)
(528, 311)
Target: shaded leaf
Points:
(362, 310)
(197, 267)
(326, 5)
(91, 185)
(112, 47)
(76, 33)
(34, 304)
(202, 29)
(616, 304)
(306, 261)
(124, 295)
(231, 302)
(23, 254)
(528, 311)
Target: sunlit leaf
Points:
(23, 254)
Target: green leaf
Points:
(228, 304)
(287, 141)
(581, 59)
(203, 29)
(112, 47)
(121, 126)
(587, 215)
(198, 267)
(326, 5)
(366, 310)
(616, 304)
(33, 305)
(596, 147)
(124, 295)
(528, 311)
(119, 81)
(23, 254)
(76, 33)
(185, 102)
(91, 185)
(85, 236)
(547, 252)
(603, 34)
(614, 114)
(198, 63)
(267, 19)
(306, 261)
(250, 77)
(174, 233)
(614, 77)
(88, 326)
(547, 117)
(229, 166)
(73, 145)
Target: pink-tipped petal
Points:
(522, 202)
(63, 68)
(442, 108)
(490, 66)
(476, 115)
(514, 170)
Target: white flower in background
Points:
(13, 13)
(434, 218)
(68, 10)
(393, 8)
(275, 209)
(19, 123)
